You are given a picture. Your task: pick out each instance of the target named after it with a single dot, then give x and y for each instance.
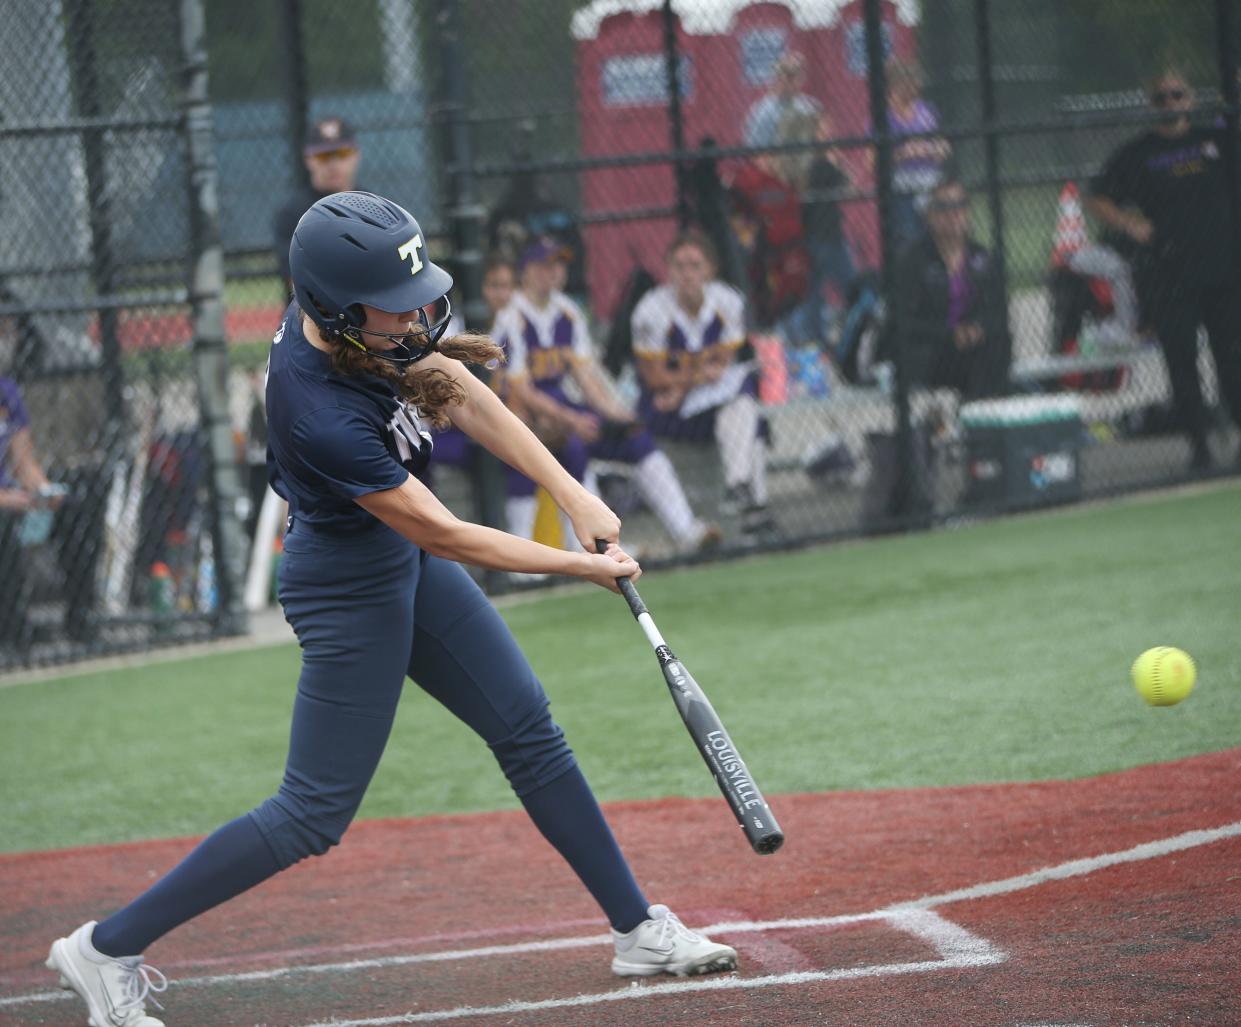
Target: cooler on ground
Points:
(1023, 451)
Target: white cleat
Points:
(115, 990)
(664, 945)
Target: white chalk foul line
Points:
(707, 984)
(902, 915)
(447, 955)
(1078, 867)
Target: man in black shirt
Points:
(331, 156)
(1168, 191)
(949, 303)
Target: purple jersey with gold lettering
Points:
(662, 330)
(545, 343)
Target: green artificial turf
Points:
(994, 652)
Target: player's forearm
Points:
(668, 380)
(535, 401)
(497, 550)
(655, 373)
(14, 499)
(413, 511)
(1107, 211)
(25, 464)
(597, 396)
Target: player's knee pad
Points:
(535, 753)
(296, 829)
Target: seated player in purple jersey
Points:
(546, 342)
(686, 336)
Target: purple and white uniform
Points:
(543, 345)
(726, 409)
(664, 331)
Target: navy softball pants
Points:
(368, 611)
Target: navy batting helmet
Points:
(357, 248)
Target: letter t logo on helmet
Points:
(410, 250)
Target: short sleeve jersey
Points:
(662, 330)
(331, 437)
(1181, 186)
(542, 344)
(13, 418)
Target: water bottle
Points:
(206, 591)
(160, 594)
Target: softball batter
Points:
(372, 584)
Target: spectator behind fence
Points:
(822, 181)
(687, 335)
(331, 156)
(917, 164)
(792, 168)
(1168, 190)
(762, 123)
(546, 341)
(764, 197)
(949, 304)
(26, 501)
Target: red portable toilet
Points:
(728, 52)
(837, 55)
(622, 90)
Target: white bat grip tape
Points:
(652, 632)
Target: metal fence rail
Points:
(839, 156)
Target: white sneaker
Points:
(115, 990)
(663, 944)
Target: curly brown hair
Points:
(429, 389)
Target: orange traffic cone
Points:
(1070, 226)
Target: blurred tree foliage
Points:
(1120, 43)
(248, 45)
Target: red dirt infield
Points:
(1106, 901)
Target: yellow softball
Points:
(1164, 676)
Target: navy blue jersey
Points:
(334, 437)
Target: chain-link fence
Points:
(110, 524)
(855, 266)
(962, 315)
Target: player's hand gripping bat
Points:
(709, 734)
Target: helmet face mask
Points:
(428, 327)
(353, 250)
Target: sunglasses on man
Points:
(340, 153)
(1163, 97)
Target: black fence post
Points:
(1226, 28)
(466, 217)
(877, 81)
(676, 120)
(80, 34)
(211, 367)
(296, 96)
(991, 144)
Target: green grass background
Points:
(994, 652)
